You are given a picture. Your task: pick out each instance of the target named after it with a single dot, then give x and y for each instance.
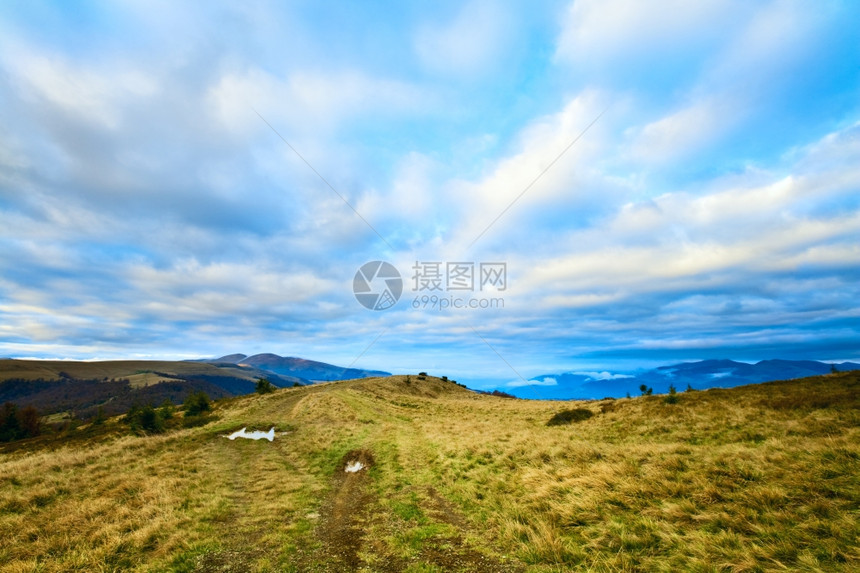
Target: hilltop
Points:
(743, 479)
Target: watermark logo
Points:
(437, 285)
(377, 285)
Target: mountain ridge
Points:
(304, 368)
(699, 375)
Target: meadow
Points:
(756, 478)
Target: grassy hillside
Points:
(749, 479)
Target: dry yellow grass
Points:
(757, 478)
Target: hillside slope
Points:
(752, 478)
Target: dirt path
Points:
(351, 529)
(346, 517)
(342, 518)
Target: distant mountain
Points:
(232, 358)
(82, 387)
(306, 369)
(698, 375)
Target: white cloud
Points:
(604, 375)
(219, 290)
(312, 101)
(545, 381)
(78, 91)
(539, 144)
(685, 131)
(611, 32)
(683, 241)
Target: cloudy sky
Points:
(664, 180)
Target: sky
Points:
(663, 181)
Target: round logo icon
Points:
(377, 285)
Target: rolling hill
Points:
(83, 387)
(753, 478)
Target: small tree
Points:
(166, 410)
(689, 389)
(149, 420)
(672, 398)
(263, 386)
(29, 420)
(10, 423)
(833, 369)
(196, 404)
(646, 391)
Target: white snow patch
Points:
(255, 435)
(354, 467)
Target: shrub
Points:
(196, 404)
(150, 420)
(646, 391)
(263, 386)
(568, 416)
(145, 419)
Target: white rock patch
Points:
(255, 435)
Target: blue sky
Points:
(711, 210)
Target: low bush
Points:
(568, 416)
